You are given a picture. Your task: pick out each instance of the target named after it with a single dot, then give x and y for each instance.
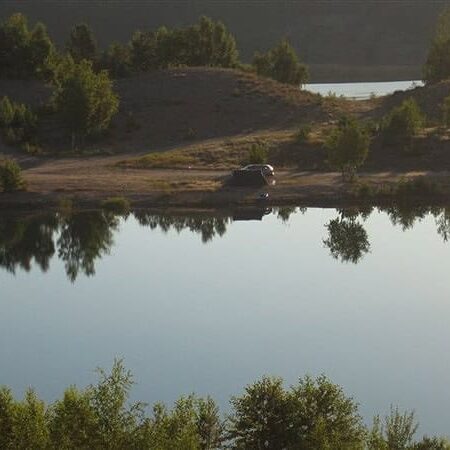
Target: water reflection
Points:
(80, 239)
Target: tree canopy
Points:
(282, 64)
(85, 100)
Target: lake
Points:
(208, 304)
(362, 91)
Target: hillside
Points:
(339, 39)
(177, 106)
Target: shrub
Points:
(403, 123)
(303, 133)
(11, 176)
(258, 154)
(119, 205)
(348, 147)
(282, 64)
(18, 123)
(416, 186)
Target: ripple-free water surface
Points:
(210, 304)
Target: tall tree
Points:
(82, 43)
(86, 101)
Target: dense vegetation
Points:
(314, 414)
(437, 66)
(348, 147)
(282, 64)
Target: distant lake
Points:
(208, 304)
(362, 91)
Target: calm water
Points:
(362, 91)
(209, 304)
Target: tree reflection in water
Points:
(347, 239)
(80, 239)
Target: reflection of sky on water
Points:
(361, 91)
(264, 298)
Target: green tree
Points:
(42, 52)
(282, 64)
(261, 417)
(395, 432)
(11, 176)
(437, 66)
(86, 101)
(30, 423)
(348, 147)
(14, 47)
(117, 60)
(324, 417)
(403, 123)
(24, 53)
(82, 43)
(314, 414)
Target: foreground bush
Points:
(403, 123)
(258, 154)
(315, 414)
(11, 176)
(282, 64)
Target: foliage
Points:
(446, 111)
(119, 205)
(315, 414)
(395, 432)
(11, 176)
(18, 123)
(82, 44)
(85, 100)
(347, 239)
(117, 60)
(24, 53)
(348, 147)
(258, 154)
(437, 66)
(403, 123)
(303, 133)
(207, 43)
(282, 64)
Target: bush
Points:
(118, 205)
(348, 147)
(403, 123)
(11, 176)
(18, 123)
(258, 154)
(303, 133)
(314, 414)
(282, 64)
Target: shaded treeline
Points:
(352, 32)
(80, 239)
(313, 414)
